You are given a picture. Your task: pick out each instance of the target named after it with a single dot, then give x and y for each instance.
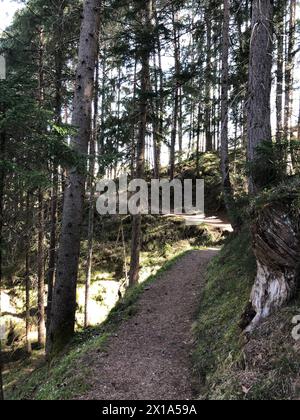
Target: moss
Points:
(226, 292)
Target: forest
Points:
(173, 305)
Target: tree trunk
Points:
(161, 106)
(260, 77)
(136, 239)
(279, 84)
(198, 139)
(27, 277)
(174, 130)
(180, 122)
(64, 298)
(103, 104)
(55, 177)
(277, 250)
(289, 71)
(91, 189)
(41, 272)
(2, 183)
(27, 297)
(298, 131)
(208, 102)
(159, 102)
(133, 136)
(52, 247)
(225, 169)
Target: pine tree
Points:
(64, 297)
(260, 79)
(144, 52)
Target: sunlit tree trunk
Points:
(64, 297)
(280, 65)
(289, 71)
(41, 220)
(91, 189)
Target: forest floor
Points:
(147, 339)
(149, 357)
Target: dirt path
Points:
(149, 357)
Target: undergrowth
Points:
(228, 365)
(65, 377)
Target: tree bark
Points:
(225, 169)
(277, 249)
(27, 276)
(260, 78)
(136, 239)
(41, 272)
(64, 298)
(55, 176)
(176, 103)
(52, 247)
(40, 227)
(289, 72)
(159, 101)
(2, 183)
(103, 104)
(280, 63)
(91, 189)
(208, 75)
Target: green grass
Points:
(227, 365)
(65, 377)
(229, 280)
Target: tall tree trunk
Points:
(174, 130)
(159, 101)
(41, 272)
(180, 123)
(133, 135)
(103, 103)
(225, 168)
(64, 298)
(198, 139)
(289, 71)
(2, 183)
(91, 189)
(41, 233)
(208, 75)
(52, 245)
(298, 131)
(55, 177)
(27, 276)
(280, 62)
(260, 77)
(161, 105)
(289, 84)
(136, 239)
(27, 304)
